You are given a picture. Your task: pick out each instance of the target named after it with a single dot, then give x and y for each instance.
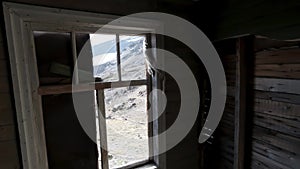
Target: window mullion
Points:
(102, 128)
(74, 52)
(118, 56)
(149, 110)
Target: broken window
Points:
(51, 135)
(121, 59)
(123, 136)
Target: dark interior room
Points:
(149, 84)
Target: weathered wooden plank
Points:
(226, 150)
(230, 72)
(68, 88)
(229, 110)
(284, 125)
(277, 85)
(267, 162)
(277, 139)
(231, 91)
(226, 130)
(228, 142)
(275, 108)
(54, 80)
(2, 51)
(256, 164)
(4, 85)
(1, 38)
(9, 158)
(224, 163)
(152, 166)
(262, 43)
(139, 165)
(289, 159)
(229, 116)
(5, 99)
(3, 68)
(278, 56)
(280, 97)
(229, 65)
(278, 70)
(230, 79)
(6, 110)
(227, 127)
(74, 54)
(230, 102)
(102, 128)
(240, 101)
(257, 161)
(228, 59)
(6, 115)
(118, 56)
(7, 133)
(226, 156)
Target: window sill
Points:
(147, 166)
(140, 165)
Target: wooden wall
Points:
(186, 153)
(220, 147)
(228, 21)
(226, 134)
(9, 158)
(272, 132)
(276, 111)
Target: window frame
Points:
(100, 97)
(20, 21)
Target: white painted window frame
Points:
(21, 20)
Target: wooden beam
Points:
(118, 56)
(240, 102)
(102, 128)
(69, 88)
(74, 54)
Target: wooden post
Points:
(118, 56)
(240, 102)
(102, 128)
(74, 52)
